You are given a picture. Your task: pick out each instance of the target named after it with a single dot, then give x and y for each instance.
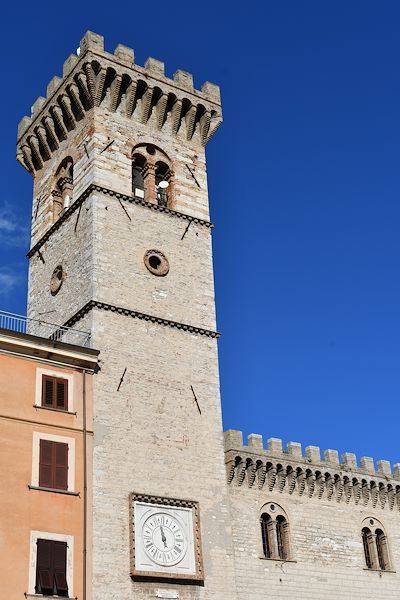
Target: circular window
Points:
(56, 280)
(156, 262)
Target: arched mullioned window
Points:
(275, 532)
(375, 544)
(152, 176)
(63, 187)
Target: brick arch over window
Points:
(275, 534)
(152, 174)
(63, 186)
(375, 545)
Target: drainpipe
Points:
(84, 486)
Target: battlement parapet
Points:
(293, 451)
(312, 456)
(288, 470)
(93, 78)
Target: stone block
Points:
(367, 464)
(184, 79)
(212, 92)
(349, 460)
(91, 41)
(255, 441)
(313, 454)
(275, 446)
(154, 66)
(125, 54)
(53, 85)
(384, 467)
(233, 439)
(294, 450)
(331, 456)
(69, 64)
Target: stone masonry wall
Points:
(70, 246)
(327, 558)
(151, 438)
(185, 295)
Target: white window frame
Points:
(56, 537)
(37, 436)
(61, 375)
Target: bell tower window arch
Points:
(152, 175)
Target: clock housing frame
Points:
(164, 502)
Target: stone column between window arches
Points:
(149, 176)
(171, 188)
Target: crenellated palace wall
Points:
(327, 504)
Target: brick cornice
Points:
(118, 196)
(137, 315)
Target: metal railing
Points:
(51, 331)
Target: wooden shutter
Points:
(61, 394)
(53, 465)
(46, 464)
(60, 568)
(44, 570)
(55, 392)
(47, 391)
(60, 481)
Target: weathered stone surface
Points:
(150, 436)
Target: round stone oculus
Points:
(156, 262)
(56, 280)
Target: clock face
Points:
(164, 540)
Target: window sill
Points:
(55, 491)
(50, 597)
(58, 410)
(279, 560)
(380, 571)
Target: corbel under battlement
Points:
(287, 469)
(93, 77)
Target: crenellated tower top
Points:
(93, 77)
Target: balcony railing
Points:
(51, 331)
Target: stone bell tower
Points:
(121, 247)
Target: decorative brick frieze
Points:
(137, 315)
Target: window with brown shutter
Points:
(53, 465)
(51, 568)
(55, 392)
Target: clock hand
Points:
(163, 538)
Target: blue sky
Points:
(304, 191)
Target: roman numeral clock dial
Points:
(164, 540)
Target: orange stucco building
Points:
(46, 467)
